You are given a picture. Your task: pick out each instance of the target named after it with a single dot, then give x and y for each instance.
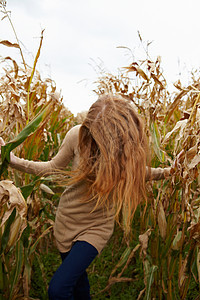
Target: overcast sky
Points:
(79, 34)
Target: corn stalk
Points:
(169, 226)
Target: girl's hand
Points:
(2, 143)
(167, 172)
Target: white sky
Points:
(81, 33)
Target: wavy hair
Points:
(113, 150)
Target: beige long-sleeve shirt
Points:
(75, 219)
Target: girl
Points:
(108, 153)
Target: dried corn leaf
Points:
(9, 44)
(195, 231)
(134, 67)
(16, 68)
(14, 202)
(191, 152)
(143, 239)
(182, 276)
(162, 223)
(157, 81)
(14, 199)
(175, 104)
(177, 241)
(195, 161)
(180, 125)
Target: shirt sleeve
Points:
(59, 162)
(157, 173)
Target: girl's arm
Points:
(59, 162)
(157, 173)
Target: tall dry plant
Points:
(169, 238)
(32, 112)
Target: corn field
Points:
(34, 121)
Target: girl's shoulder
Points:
(72, 137)
(74, 130)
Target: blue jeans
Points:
(70, 281)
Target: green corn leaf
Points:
(18, 268)
(191, 257)
(177, 241)
(27, 189)
(20, 138)
(27, 272)
(25, 236)
(172, 265)
(156, 141)
(33, 247)
(123, 259)
(1, 276)
(150, 279)
(42, 271)
(6, 233)
(168, 242)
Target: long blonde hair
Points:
(113, 151)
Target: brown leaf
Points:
(138, 70)
(195, 161)
(182, 276)
(195, 231)
(177, 241)
(179, 125)
(15, 65)
(143, 239)
(191, 152)
(151, 66)
(157, 80)
(174, 104)
(11, 197)
(162, 224)
(9, 44)
(15, 199)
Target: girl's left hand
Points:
(2, 143)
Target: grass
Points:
(98, 272)
(40, 278)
